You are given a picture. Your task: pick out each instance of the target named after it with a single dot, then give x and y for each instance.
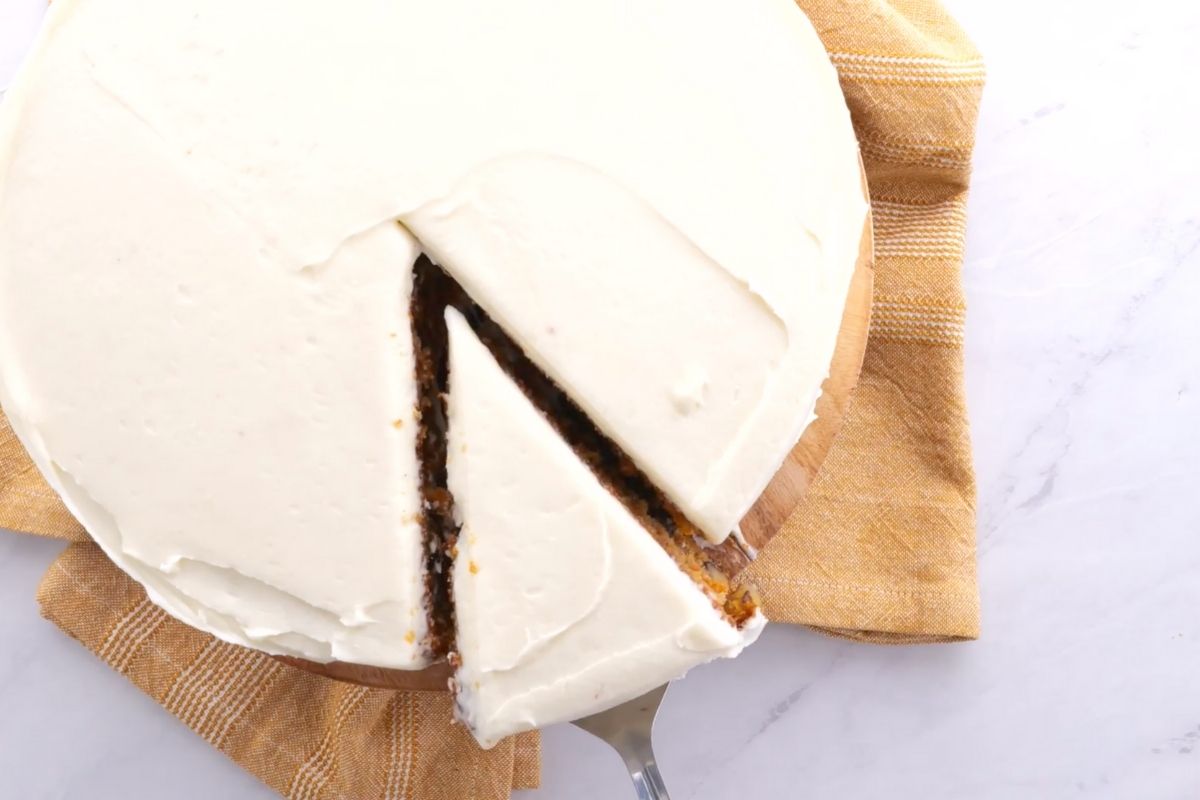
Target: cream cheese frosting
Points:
(566, 605)
(203, 286)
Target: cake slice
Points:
(566, 605)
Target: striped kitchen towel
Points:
(883, 547)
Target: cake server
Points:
(628, 729)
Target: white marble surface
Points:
(1083, 362)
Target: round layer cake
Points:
(377, 332)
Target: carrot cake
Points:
(215, 347)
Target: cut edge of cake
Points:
(440, 530)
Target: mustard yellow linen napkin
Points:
(882, 549)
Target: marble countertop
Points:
(1083, 363)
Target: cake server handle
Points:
(628, 729)
(647, 780)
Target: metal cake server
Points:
(628, 728)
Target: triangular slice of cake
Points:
(566, 604)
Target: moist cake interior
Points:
(710, 567)
(437, 507)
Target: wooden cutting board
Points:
(777, 502)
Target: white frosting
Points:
(566, 605)
(203, 339)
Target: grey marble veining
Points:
(1083, 363)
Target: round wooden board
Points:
(431, 679)
(777, 502)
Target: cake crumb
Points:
(473, 567)
(410, 637)
(398, 424)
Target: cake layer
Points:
(566, 605)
